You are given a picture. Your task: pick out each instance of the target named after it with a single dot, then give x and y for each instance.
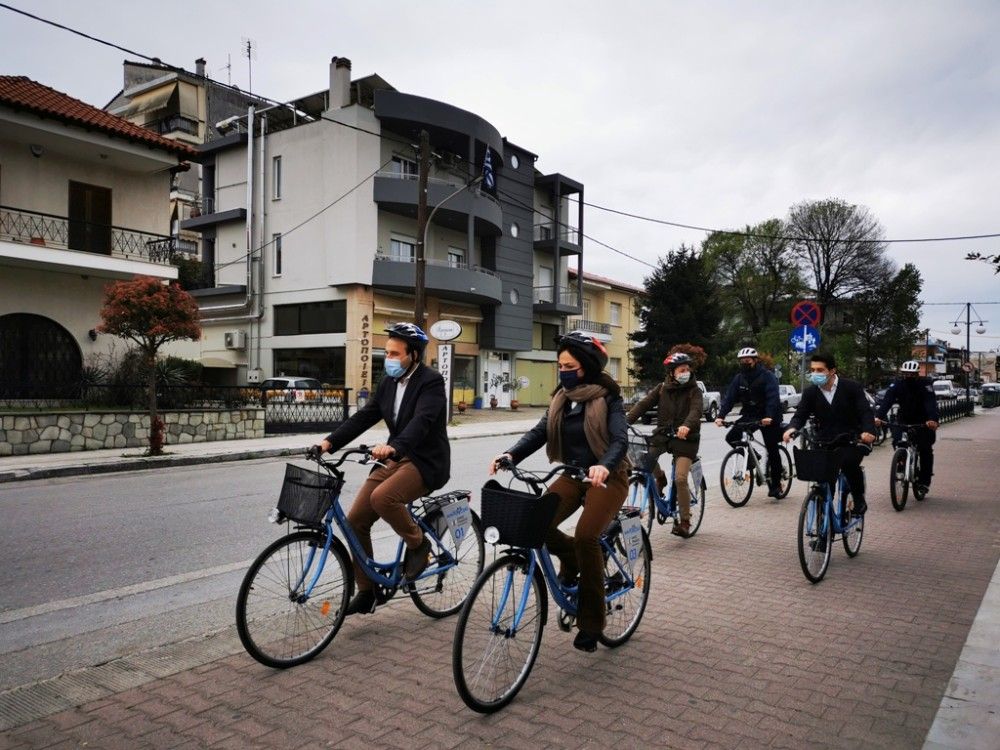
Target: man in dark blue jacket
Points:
(917, 405)
(411, 400)
(757, 389)
(839, 407)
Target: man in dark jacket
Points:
(411, 400)
(839, 407)
(917, 405)
(757, 389)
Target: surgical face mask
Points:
(683, 377)
(394, 368)
(569, 379)
(818, 378)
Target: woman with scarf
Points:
(584, 427)
(678, 410)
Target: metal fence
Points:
(950, 409)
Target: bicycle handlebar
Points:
(743, 423)
(361, 450)
(505, 464)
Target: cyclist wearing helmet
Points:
(917, 404)
(411, 401)
(584, 426)
(678, 411)
(757, 389)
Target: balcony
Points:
(206, 213)
(557, 239)
(448, 280)
(397, 193)
(34, 239)
(558, 300)
(601, 331)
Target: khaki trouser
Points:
(581, 553)
(386, 494)
(683, 468)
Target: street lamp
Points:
(980, 329)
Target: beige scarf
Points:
(595, 420)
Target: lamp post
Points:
(980, 329)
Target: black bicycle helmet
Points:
(587, 349)
(410, 333)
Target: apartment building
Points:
(311, 241)
(83, 201)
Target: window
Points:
(326, 364)
(514, 161)
(276, 177)
(514, 229)
(402, 250)
(403, 168)
(89, 218)
(456, 257)
(550, 332)
(544, 284)
(276, 248)
(586, 310)
(615, 367)
(311, 317)
(616, 314)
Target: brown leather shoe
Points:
(415, 560)
(681, 529)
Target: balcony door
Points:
(89, 218)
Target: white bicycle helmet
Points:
(910, 366)
(747, 351)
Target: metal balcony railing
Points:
(550, 230)
(49, 230)
(592, 326)
(555, 295)
(379, 256)
(453, 181)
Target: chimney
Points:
(199, 66)
(340, 82)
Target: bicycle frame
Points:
(752, 443)
(841, 494)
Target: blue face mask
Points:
(394, 368)
(818, 378)
(569, 380)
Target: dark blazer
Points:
(420, 433)
(850, 411)
(916, 398)
(757, 390)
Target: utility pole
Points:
(419, 271)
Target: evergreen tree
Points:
(679, 304)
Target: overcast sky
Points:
(716, 114)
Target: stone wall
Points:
(55, 432)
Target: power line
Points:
(753, 235)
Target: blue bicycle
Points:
(499, 630)
(826, 511)
(293, 598)
(645, 496)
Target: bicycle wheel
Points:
(445, 593)
(626, 610)
(815, 537)
(852, 538)
(640, 499)
(278, 624)
(697, 502)
(489, 661)
(786, 472)
(880, 433)
(736, 478)
(898, 485)
(918, 489)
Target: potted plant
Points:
(514, 386)
(497, 381)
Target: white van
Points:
(945, 389)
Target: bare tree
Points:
(840, 247)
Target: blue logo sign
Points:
(804, 339)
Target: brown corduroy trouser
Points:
(386, 494)
(581, 553)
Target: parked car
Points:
(710, 405)
(945, 389)
(291, 389)
(789, 397)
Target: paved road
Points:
(736, 646)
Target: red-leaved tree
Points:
(150, 313)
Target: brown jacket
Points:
(676, 405)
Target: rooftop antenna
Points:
(250, 51)
(229, 69)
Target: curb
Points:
(140, 463)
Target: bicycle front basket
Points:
(816, 465)
(522, 518)
(639, 453)
(306, 495)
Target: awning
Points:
(217, 362)
(149, 101)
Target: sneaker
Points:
(415, 560)
(860, 506)
(923, 489)
(362, 603)
(568, 579)
(585, 641)
(681, 529)
(774, 491)
(818, 545)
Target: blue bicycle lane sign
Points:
(804, 339)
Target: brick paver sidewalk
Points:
(736, 648)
